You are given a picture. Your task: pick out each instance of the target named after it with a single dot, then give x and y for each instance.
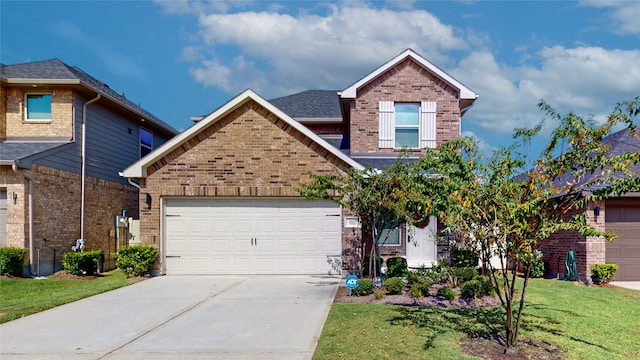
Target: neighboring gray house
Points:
(64, 136)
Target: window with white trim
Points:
(146, 142)
(389, 237)
(407, 125)
(37, 107)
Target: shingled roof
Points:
(54, 71)
(311, 105)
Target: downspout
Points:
(14, 167)
(84, 162)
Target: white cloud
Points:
(624, 15)
(305, 51)
(483, 147)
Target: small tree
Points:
(505, 210)
(380, 199)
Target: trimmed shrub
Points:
(603, 273)
(447, 293)
(397, 267)
(420, 289)
(394, 285)
(464, 274)
(136, 260)
(537, 264)
(471, 289)
(464, 258)
(81, 263)
(486, 288)
(11, 261)
(365, 287)
(365, 266)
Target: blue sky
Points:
(179, 59)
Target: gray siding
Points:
(112, 143)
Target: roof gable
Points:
(465, 92)
(139, 168)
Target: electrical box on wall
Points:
(134, 232)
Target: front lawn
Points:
(584, 322)
(20, 297)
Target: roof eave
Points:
(27, 81)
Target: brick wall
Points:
(61, 124)
(588, 250)
(406, 82)
(249, 152)
(57, 212)
(3, 112)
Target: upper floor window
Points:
(146, 142)
(407, 125)
(37, 107)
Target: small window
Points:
(146, 142)
(390, 237)
(38, 107)
(407, 125)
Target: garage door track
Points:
(186, 317)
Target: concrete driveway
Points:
(186, 317)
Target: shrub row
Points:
(81, 263)
(11, 261)
(136, 260)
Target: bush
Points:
(420, 289)
(81, 263)
(537, 265)
(397, 267)
(603, 273)
(136, 260)
(378, 294)
(447, 293)
(365, 287)
(435, 274)
(486, 288)
(464, 258)
(11, 261)
(464, 274)
(394, 285)
(471, 289)
(365, 266)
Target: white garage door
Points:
(256, 236)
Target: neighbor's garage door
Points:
(240, 236)
(623, 217)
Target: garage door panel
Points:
(624, 220)
(223, 236)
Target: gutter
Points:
(14, 167)
(84, 161)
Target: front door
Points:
(422, 247)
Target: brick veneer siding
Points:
(406, 82)
(248, 153)
(588, 250)
(57, 212)
(3, 112)
(61, 124)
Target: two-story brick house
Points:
(222, 195)
(64, 136)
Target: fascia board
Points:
(43, 81)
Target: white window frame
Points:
(141, 145)
(26, 107)
(393, 244)
(426, 125)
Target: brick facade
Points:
(248, 153)
(588, 250)
(407, 81)
(57, 213)
(60, 125)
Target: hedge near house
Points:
(136, 260)
(81, 263)
(11, 261)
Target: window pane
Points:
(39, 106)
(144, 151)
(407, 138)
(407, 114)
(392, 239)
(146, 137)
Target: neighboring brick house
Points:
(221, 197)
(620, 215)
(55, 187)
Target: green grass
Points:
(21, 297)
(585, 322)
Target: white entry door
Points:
(422, 247)
(251, 236)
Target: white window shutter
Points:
(428, 124)
(386, 125)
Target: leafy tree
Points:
(505, 210)
(380, 199)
